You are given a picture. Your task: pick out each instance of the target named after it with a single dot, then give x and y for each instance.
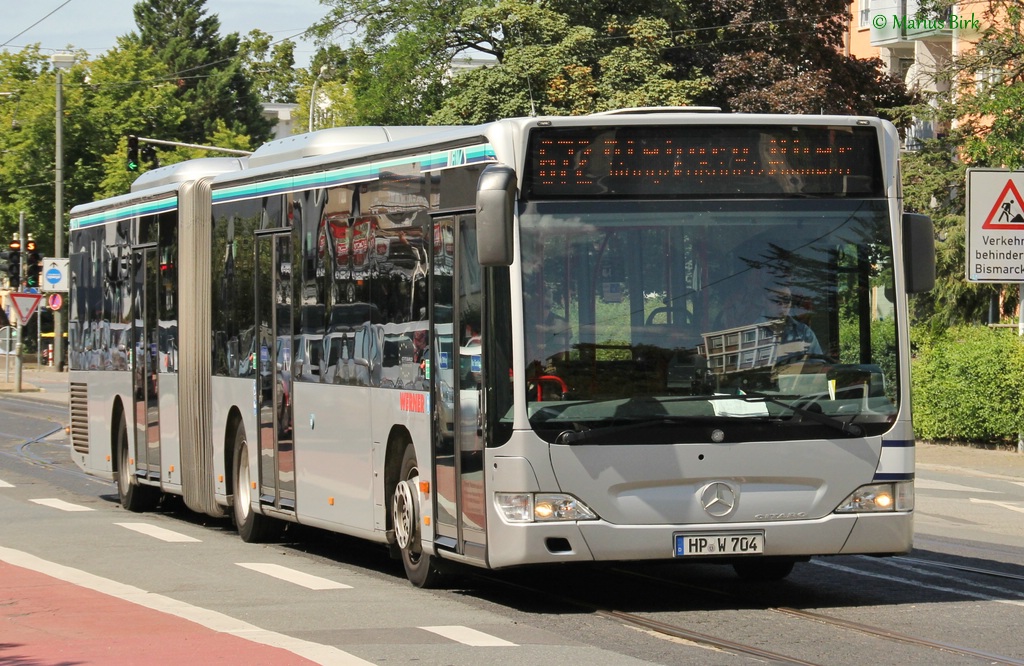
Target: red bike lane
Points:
(45, 620)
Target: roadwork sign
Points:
(995, 225)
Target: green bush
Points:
(968, 384)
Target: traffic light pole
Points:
(17, 343)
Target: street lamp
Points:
(61, 61)
(312, 95)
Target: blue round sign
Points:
(53, 275)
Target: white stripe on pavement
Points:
(61, 504)
(321, 654)
(292, 576)
(4, 484)
(468, 636)
(159, 533)
(1012, 506)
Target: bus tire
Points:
(252, 527)
(769, 569)
(133, 495)
(420, 568)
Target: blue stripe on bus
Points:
(354, 174)
(897, 443)
(892, 476)
(126, 212)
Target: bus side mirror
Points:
(918, 253)
(495, 211)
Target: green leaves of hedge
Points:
(968, 385)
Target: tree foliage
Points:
(211, 80)
(565, 57)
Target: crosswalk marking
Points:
(292, 576)
(468, 636)
(1012, 506)
(61, 504)
(931, 484)
(159, 533)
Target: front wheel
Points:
(420, 568)
(133, 495)
(252, 527)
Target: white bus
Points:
(644, 335)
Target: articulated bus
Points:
(659, 334)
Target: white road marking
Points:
(928, 484)
(4, 484)
(61, 504)
(292, 576)
(321, 654)
(1005, 505)
(468, 636)
(159, 533)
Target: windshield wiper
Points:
(851, 429)
(577, 436)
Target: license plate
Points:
(722, 543)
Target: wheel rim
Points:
(404, 515)
(124, 474)
(242, 495)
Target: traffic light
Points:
(133, 152)
(33, 264)
(14, 263)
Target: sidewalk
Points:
(39, 382)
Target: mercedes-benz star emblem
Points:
(719, 499)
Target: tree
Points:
(985, 101)
(209, 74)
(787, 57)
(566, 57)
(270, 67)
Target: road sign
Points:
(54, 301)
(995, 225)
(55, 274)
(25, 305)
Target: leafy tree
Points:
(210, 77)
(566, 57)
(787, 57)
(270, 67)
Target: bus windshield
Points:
(769, 319)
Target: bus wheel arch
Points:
(252, 526)
(133, 495)
(405, 515)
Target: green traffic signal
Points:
(133, 153)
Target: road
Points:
(84, 582)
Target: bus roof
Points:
(333, 140)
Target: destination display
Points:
(727, 161)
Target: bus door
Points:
(274, 368)
(456, 383)
(146, 353)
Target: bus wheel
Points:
(420, 567)
(764, 570)
(133, 495)
(252, 527)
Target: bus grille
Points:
(79, 401)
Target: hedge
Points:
(968, 385)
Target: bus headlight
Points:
(879, 497)
(541, 507)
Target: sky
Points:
(94, 25)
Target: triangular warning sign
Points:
(1006, 213)
(25, 305)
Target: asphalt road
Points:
(82, 581)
